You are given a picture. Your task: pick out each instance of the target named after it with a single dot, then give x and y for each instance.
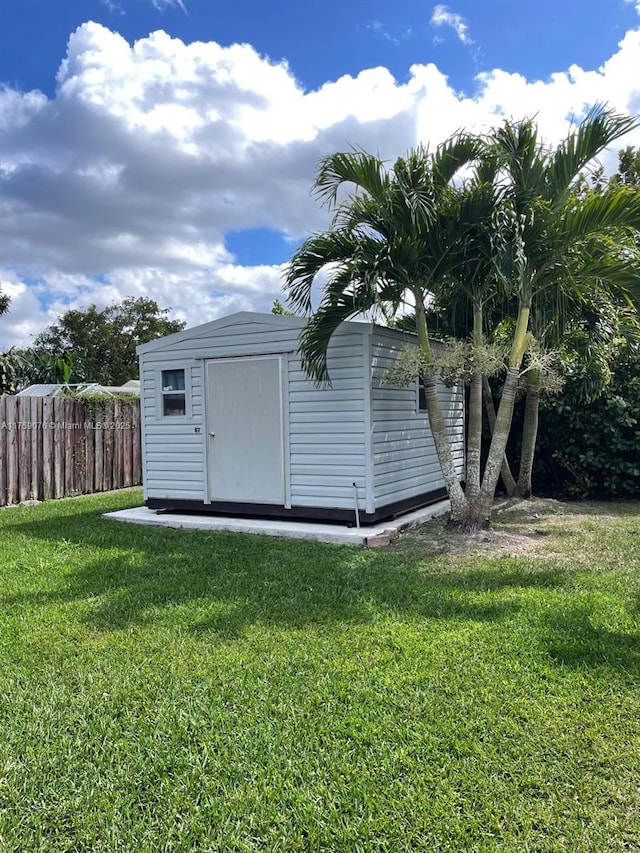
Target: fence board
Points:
(69, 465)
(58, 448)
(89, 454)
(117, 433)
(24, 448)
(4, 439)
(127, 446)
(54, 447)
(35, 418)
(107, 439)
(79, 478)
(12, 450)
(47, 448)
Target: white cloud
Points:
(126, 182)
(26, 317)
(443, 17)
(113, 7)
(379, 29)
(161, 5)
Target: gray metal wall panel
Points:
(172, 452)
(244, 339)
(326, 426)
(324, 423)
(404, 456)
(326, 430)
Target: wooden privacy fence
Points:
(53, 447)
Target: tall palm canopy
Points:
(392, 235)
(571, 243)
(512, 234)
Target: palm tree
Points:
(404, 230)
(560, 234)
(507, 233)
(471, 284)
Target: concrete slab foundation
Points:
(373, 537)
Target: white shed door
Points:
(244, 425)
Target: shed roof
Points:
(55, 389)
(40, 390)
(284, 321)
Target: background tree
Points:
(20, 368)
(11, 372)
(104, 343)
(628, 167)
(5, 301)
(38, 366)
(9, 363)
(279, 310)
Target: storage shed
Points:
(231, 424)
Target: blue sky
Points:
(323, 40)
(179, 166)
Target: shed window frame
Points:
(164, 393)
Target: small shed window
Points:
(422, 397)
(174, 395)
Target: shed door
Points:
(244, 425)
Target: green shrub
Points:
(592, 450)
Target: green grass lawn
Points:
(168, 690)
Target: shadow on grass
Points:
(129, 574)
(573, 640)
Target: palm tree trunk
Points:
(529, 434)
(474, 429)
(508, 480)
(498, 445)
(436, 420)
(478, 511)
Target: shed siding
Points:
(173, 453)
(326, 452)
(357, 430)
(174, 456)
(326, 429)
(404, 456)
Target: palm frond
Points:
(362, 212)
(316, 253)
(486, 168)
(412, 197)
(619, 207)
(454, 154)
(353, 167)
(599, 129)
(520, 153)
(343, 299)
